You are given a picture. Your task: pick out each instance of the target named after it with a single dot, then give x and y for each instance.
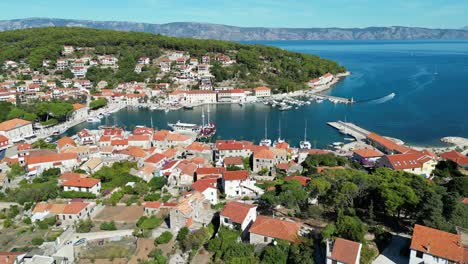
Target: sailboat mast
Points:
(208, 120)
(279, 130)
(203, 116)
(305, 130)
(266, 134)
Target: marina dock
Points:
(350, 129)
(333, 99)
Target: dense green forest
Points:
(279, 68)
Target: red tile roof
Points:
(456, 157)
(214, 170)
(153, 205)
(437, 243)
(74, 208)
(51, 158)
(264, 154)
(236, 211)
(119, 142)
(203, 184)
(233, 161)
(139, 137)
(65, 141)
(276, 228)
(387, 143)
(81, 182)
(301, 179)
(407, 161)
(345, 251)
(9, 257)
(13, 123)
(236, 175)
(368, 153)
(155, 158)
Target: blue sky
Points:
(268, 13)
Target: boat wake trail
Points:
(379, 100)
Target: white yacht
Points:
(279, 140)
(93, 120)
(265, 141)
(305, 144)
(187, 127)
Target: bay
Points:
(429, 78)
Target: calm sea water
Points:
(430, 79)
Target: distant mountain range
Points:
(224, 32)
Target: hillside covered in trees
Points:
(278, 68)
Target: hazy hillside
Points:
(223, 32)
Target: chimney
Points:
(428, 247)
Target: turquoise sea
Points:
(430, 79)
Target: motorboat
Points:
(284, 108)
(185, 127)
(93, 120)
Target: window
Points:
(226, 220)
(419, 254)
(265, 239)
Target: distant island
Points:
(225, 32)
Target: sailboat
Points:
(279, 140)
(305, 144)
(265, 141)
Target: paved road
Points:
(391, 254)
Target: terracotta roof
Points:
(3, 138)
(197, 146)
(134, 151)
(177, 137)
(276, 228)
(301, 179)
(65, 141)
(23, 146)
(71, 175)
(233, 161)
(214, 170)
(456, 157)
(153, 205)
(318, 152)
(155, 158)
(368, 153)
(51, 158)
(139, 137)
(407, 161)
(236, 211)
(464, 200)
(119, 142)
(264, 154)
(231, 146)
(78, 106)
(170, 153)
(387, 143)
(81, 182)
(74, 208)
(236, 175)
(12, 124)
(261, 88)
(203, 184)
(9, 257)
(160, 135)
(437, 243)
(345, 251)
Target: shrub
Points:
(108, 226)
(183, 233)
(37, 241)
(152, 197)
(76, 194)
(164, 238)
(84, 226)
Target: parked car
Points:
(80, 242)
